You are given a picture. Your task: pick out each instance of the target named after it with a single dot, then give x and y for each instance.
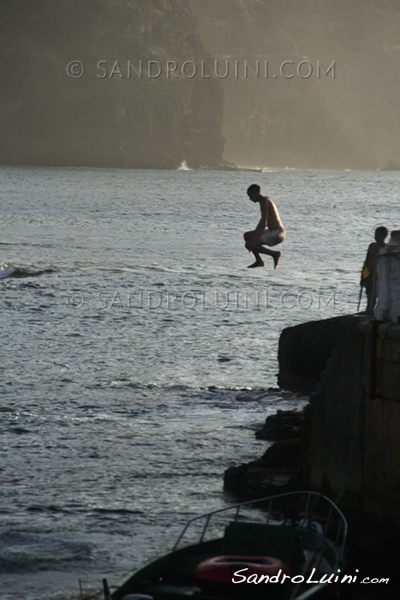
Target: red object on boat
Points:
(233, 569)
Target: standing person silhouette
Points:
(369, 267)
(269, 230)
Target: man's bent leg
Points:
(274, 253)
(259, 261)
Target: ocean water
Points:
(139, 354)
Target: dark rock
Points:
(271, 474)
(283, 455)
(305, 349)
(333, 432)
(253, 481)
(285, 424)
(304, 352)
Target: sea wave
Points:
(19, 271)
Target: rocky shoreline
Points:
(372, 542)
(276, 471)
(305, 352)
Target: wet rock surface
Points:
(284, 425)
(276, 471)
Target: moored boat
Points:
(285, 547)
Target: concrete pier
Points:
(352, 427)
(388, 281)
(352, 431)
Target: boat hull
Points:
(248, 560)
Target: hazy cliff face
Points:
(299, 115)
(307, 84)
(87, 84)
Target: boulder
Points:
(305, 349)
(284, 425)
(271, 474)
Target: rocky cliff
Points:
(113, 107)
(310, 84)
(297, 111)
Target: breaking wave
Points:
(19, 271)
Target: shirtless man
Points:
(269, 230)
